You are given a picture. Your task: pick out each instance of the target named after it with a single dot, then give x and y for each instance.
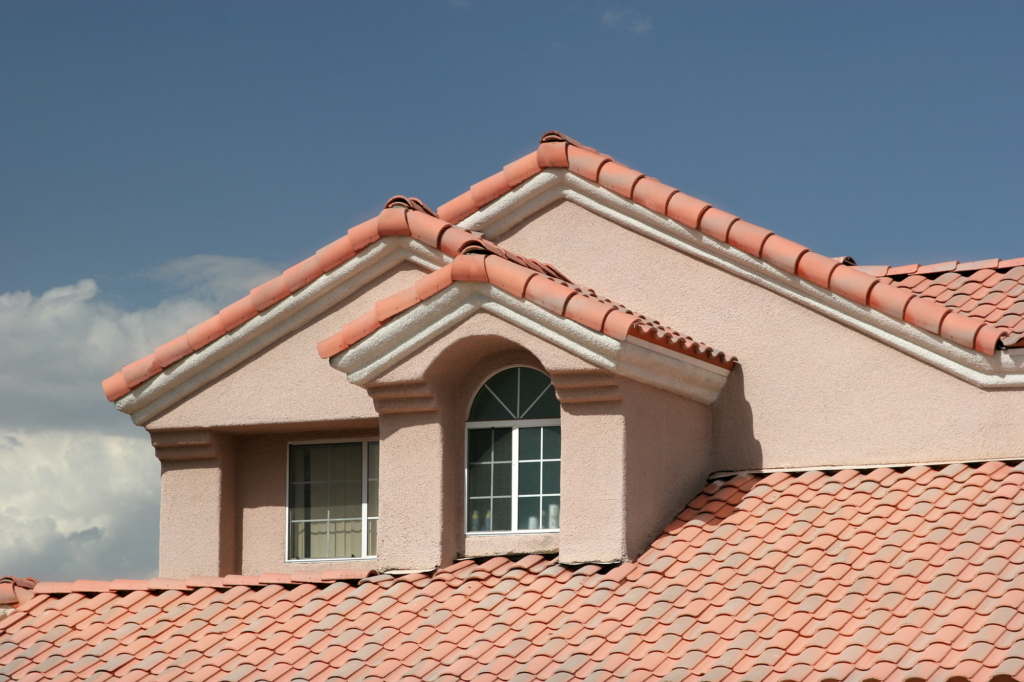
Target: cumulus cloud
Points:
(78, 505)
(60, 345)
(79, 485)
(628, 20)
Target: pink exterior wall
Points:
(810, 392)
(288, 383)
(262, 502)
(197, 504)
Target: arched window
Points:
(513, 455)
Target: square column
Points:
(197, 503)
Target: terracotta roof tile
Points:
(409, 216)
(479, 260)
(778, 618)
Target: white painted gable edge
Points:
(1003, 370)
(412, 330)
(197, 370)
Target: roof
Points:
(482, 261)
(911, 574)
(560, 151)
(989, 291)
(14, 591)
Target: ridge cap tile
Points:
(555, 150)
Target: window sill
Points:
(332, 561)
(498, 544)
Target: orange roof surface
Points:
(559, 151)
(990, 291)
(482, 261)
(888, 575)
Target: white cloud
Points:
(78, 505)
(627, 19)
(79, 485)
(58, 347)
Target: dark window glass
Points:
(333, 496)
(526, 458)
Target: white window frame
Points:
(364, 508)
(515, 425)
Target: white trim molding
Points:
(209, 363)
(1003, 370)
(410, 331)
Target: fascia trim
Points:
(211, 362)
(1004, 370)
(410, 331)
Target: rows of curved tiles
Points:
(876, 575)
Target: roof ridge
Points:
(409, 216)
(557, 150)
(527, 279)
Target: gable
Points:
(286, 382)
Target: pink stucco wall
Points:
(810, 392)
(288, 383)
(262, 462)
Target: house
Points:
(433, 451)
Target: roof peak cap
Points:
(411, 203)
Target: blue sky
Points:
(158, 159)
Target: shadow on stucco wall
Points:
(734, 445)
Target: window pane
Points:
(298, 542)
(487, 407)
(300, 502)
(529, 443)
(299, 464)
(371, 537)
(505, 385)
(373, 460)
(346, 539)
(480, 480)
(532, 384)
(529, 478)
(346, 461)
(309, 501)
(502, 479)
(502, 445)
(347, 499)
(479, 517)
(502, 519)
(550, 511)
(529, 513)
(552, 478)
(552, 442)
(319, 464)
(479, 446)
(546, 407)
(372, 498)
(314, 539)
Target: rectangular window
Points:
(332, 500)
(513, 479)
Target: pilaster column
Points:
(197, 503)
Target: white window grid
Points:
(515, 425)
(365, 505)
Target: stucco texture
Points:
(810, 392)
(261, 491)
(288, 382)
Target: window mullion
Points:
(515, 478)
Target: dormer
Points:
(441, 385)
